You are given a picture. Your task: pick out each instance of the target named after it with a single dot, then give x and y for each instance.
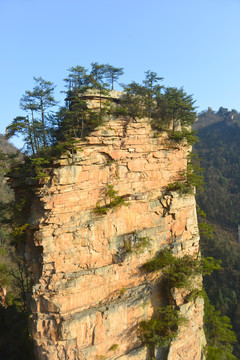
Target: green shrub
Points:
(180, 187)
(100, 210)
(178, 136)
(163, 259)
(209, 264)
(194, 175)
(112, 201)
(114, 347)
(38, 164)
(142, 243)
(138, 245)
(122, 290)
(163, 328)
(180, 272)
(190, 179)
(19, 233)
(194, 294)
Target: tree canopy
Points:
(35, 130)
(41, 128)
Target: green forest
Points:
(15, 342)
(218, 148)
(48, 129)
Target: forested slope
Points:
(15, 343)
(6, 194)
(219, 150)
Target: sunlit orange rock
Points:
(90, 292)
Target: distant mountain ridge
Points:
(219, 150)
(209, 117)
(6, 146)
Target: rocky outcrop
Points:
(89, 290)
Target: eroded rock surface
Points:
(90, 293)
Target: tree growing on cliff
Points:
(165, 107)
(101, 76)
(43, 95)
(35, 130)
(78, 120)
(112, 74)
(174, 106)
(77, 79)
(97, 76)
(140, 100)
(21, 125)
(77, 82)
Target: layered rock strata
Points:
(89, 291)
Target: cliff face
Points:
(90, 293)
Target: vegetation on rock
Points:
(137, 244)
(177, 273)
(190, 179)
(111, 201)
(162, 328)
(48, 135)
(15, 341)
(180, 272)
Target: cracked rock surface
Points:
(89, 292)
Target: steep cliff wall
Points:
(90, 293)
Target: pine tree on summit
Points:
(112, 74)
(35, 130)
(43, 94)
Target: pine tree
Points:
(34, 129)
(43, 95)
(112, 74)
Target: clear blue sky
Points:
(191, 43)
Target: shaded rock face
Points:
(90, 293)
